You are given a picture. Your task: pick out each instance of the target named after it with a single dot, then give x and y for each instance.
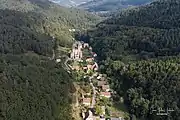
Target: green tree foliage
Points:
(139, 51)
(26, 20)
(165, 15)
(148, 84)
(139, 33)
(18, 35)
(98, 110)
(33, 87)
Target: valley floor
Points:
(93, 96)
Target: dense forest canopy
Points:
(140, 30)
(18, 34)
(139, 50)
(165, 17)
(146, 85)
(33, 87)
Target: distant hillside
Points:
(166, 16)
(101, 6)
(140, 29)
(44, 17)
(111, 5)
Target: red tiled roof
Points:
(106, 93)
(86, 100)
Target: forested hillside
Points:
(140, 32)
(139, 50)
(18, 34)
(166, 15)
(111, 5)
(32, 87)
(44, 17)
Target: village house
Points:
(101, 77)
(101, 83)
(90, 116)
(85, 68)
(98, 77)
(86, 101)
(76, 67)
(88, 94)
(90, 48)
(89, 67)
(106, 88)
(95, 66)
(102, 119)
(95, 69)
(85, 45)
(90, 59)
(94, 54)
(76, 53)
(105, 94)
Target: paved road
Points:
(94, 93)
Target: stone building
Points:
(76, 53)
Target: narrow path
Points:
(94, 93)
(65, 63)
(53, 56)
(65, 66)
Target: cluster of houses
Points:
(102, 88)
(77, 55)
(91, 66)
